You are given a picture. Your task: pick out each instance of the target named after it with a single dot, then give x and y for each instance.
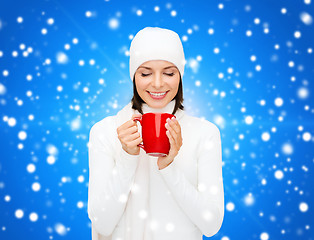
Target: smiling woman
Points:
(135, 196)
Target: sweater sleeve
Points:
(204, 205)
(110, 181)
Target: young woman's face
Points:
(157, 76)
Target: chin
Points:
(159, 104)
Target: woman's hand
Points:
(175, 139)
(129, 136)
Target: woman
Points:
(134, 196)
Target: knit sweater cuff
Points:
(171, 176)
(128, 160)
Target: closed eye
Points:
(145, 75)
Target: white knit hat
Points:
(154, 43)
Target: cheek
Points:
(174, 83)
(141, 87)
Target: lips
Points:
(157, 97)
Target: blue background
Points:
(263, 106)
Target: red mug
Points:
(155, 140)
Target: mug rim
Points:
(158, 113)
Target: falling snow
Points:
(63, 68)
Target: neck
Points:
(166, 109)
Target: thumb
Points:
(136, 115)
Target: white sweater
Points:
(129, 198)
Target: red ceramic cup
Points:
(155, 140)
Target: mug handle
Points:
(139, 119)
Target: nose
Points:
(157, 81)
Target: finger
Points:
(171, 140)
(131, 122)
(173, 147)
(136, 115)
(128, 131)
(132, 129)
(175, 135)
(175, 125)
(126, 125)
(132, 137)
(136, 141)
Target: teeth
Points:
(157, 94)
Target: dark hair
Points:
(137, 101)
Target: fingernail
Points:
(166, 125)
(173, 118)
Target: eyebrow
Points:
(150, 68)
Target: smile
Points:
(157, 95)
